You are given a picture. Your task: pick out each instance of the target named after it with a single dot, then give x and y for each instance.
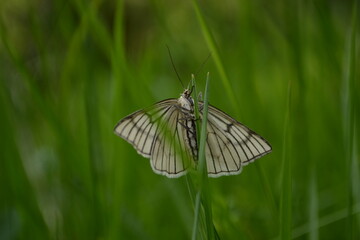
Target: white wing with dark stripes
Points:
(157, 133)
(166, 133)
(230, 145)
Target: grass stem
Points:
(203, 195)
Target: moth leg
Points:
(186, 127)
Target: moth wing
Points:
(156, 133)
(230, 144)
(170, 155)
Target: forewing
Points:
(156, 133)
(170, 154)
(139, 128)
(230, 145)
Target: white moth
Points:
(166, 133)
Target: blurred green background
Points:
(71, 69)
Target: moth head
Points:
(186, 100)
(187, 93)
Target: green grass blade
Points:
(230, 93)
(356, 179)
(286, 180)
(349, 120)
(203, 195)
(216, 55)
(313, 209)
(326, 220)
(89, 20)
(118, 67)
(268, 192)
(192, 193)
(199, 214)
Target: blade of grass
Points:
(192, 193)
(216, 55)
(325, 220)
(349, 119)
(268, 192)
(356, 176)
(89, 11)
(89, 22)
(286, 181)
(96, 158)
(313, 209)
(200, 215)
(226, 82)
(118, 66)
(203, 195)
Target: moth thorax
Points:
(186, 103)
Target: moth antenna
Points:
(172, 63)
(203, 63)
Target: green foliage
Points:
(71, 69)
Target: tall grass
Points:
(71, 70)
(286, 176)
(349, 121)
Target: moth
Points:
(166, 133)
